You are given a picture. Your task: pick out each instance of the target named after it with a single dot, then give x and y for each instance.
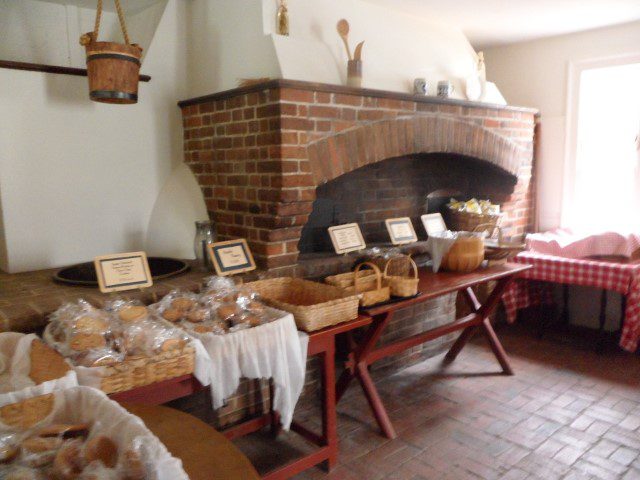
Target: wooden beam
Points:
(38, 67)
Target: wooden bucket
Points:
(113, 68)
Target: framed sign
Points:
(401, 230)
(232, 256)
(123, 271)
(346, 238)
(433, 223)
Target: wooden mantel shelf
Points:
(37, 67)
(341, 89)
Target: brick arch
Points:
(344, 152)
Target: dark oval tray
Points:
(85, 273)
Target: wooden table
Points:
(205, 453)
(322, 344)
(431, 285)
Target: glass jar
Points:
(205, 236)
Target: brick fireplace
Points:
(263, 154)
(279, 161)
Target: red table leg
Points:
(375, 402)
(483, 311)
(361, 351)
(366, 353)
(329, 417)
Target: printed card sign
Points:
(433, 223)
(401, 230)
(232, 256)
(123, 271)
(346, 238)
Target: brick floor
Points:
(568, 413)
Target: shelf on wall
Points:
(37, 67)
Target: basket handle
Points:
(491, 228)
(375, 269)
(413, 265)
(87, 38)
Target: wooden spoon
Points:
(343, 31)
(357, 54)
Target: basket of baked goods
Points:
(366, 281)
(402, 285)
(119, 347)
(79, 433)
(28, 366)
(313, 305)
(466, 216)
(222, 307)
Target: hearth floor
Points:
(568, 413)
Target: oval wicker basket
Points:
(467, 221)
(346, 280)
(402, 286)
(370, 293)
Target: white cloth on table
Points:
(15, 367)
(568, 244)
(274, 350)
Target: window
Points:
(603, 179)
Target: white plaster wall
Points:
(79, 179)
(45, 31)
(398, 47)
(234, 39)
(227, 43)
(535, 74)
(171, 227)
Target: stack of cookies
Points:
(68, 452)
(93, 337)
(221, 308)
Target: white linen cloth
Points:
(15, 366)
(274, 350)
(568, 244)
(78, 405)
(438, 245)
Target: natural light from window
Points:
(606, 194)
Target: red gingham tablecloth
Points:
(619, 277)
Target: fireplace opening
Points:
(397, 187)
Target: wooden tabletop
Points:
(205, 453)
(434, 285)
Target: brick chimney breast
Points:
(259, 152)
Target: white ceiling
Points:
(129, 6)
(498, 22)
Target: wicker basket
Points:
(46, 363)
(370, 293)
(27, 413)
(346, 280)
(400, 269)
(140, 371)
(467, 221)
(313, 305)
(402, 286)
